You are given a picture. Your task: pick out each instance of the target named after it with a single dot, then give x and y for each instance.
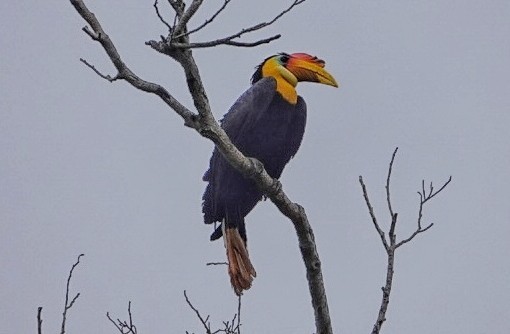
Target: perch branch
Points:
(205, 124)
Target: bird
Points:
(267, 122)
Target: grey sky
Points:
(98, 168)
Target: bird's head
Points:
(289, 69)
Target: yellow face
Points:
(288, 70)
(274, 67)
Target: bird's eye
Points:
(284, 59)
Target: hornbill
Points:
(267, 123)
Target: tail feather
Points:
(240, 268)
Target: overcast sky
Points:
(99, 168)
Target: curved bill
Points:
(309, 68)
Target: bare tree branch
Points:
(104, 76)
(388, 198)
(229, 327)
(204, 123)
(221, 41)
(124, 327)
(39, 320)
(266, 24)
(67, 304)
(424, 198)
(178, 37)
(205, 323)
(216, 263)
(392, 245)
(186, 16)
(372, 214)
(208, 21)
(156, 8)
(124, 72)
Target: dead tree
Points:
(178, 45)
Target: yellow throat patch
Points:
(285, 80)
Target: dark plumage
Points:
(267, 123)
(272, 133)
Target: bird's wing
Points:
(248, 108)
(244, 113)
(298, 128)
(238, 120)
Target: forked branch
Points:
(69, 302)
(126, 326)
(178, 36)
(208, 21)
(390, 243)
(424, 198)
(232, 326)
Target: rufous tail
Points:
(240, 269)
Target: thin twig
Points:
(265, 24)
(432, 194)
(223, 41)
(39, 320)
(424, 198)
(123, 326)
(372, 214)
(232, 326)
(104, 76)
(208, 21)
(229, 40)
(415, 233)
(161, 17)
(216, 263)
(388, 198)
(207, 327)
(113, 322)
(67, 304)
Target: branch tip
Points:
(67, 304)
(93, 68)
